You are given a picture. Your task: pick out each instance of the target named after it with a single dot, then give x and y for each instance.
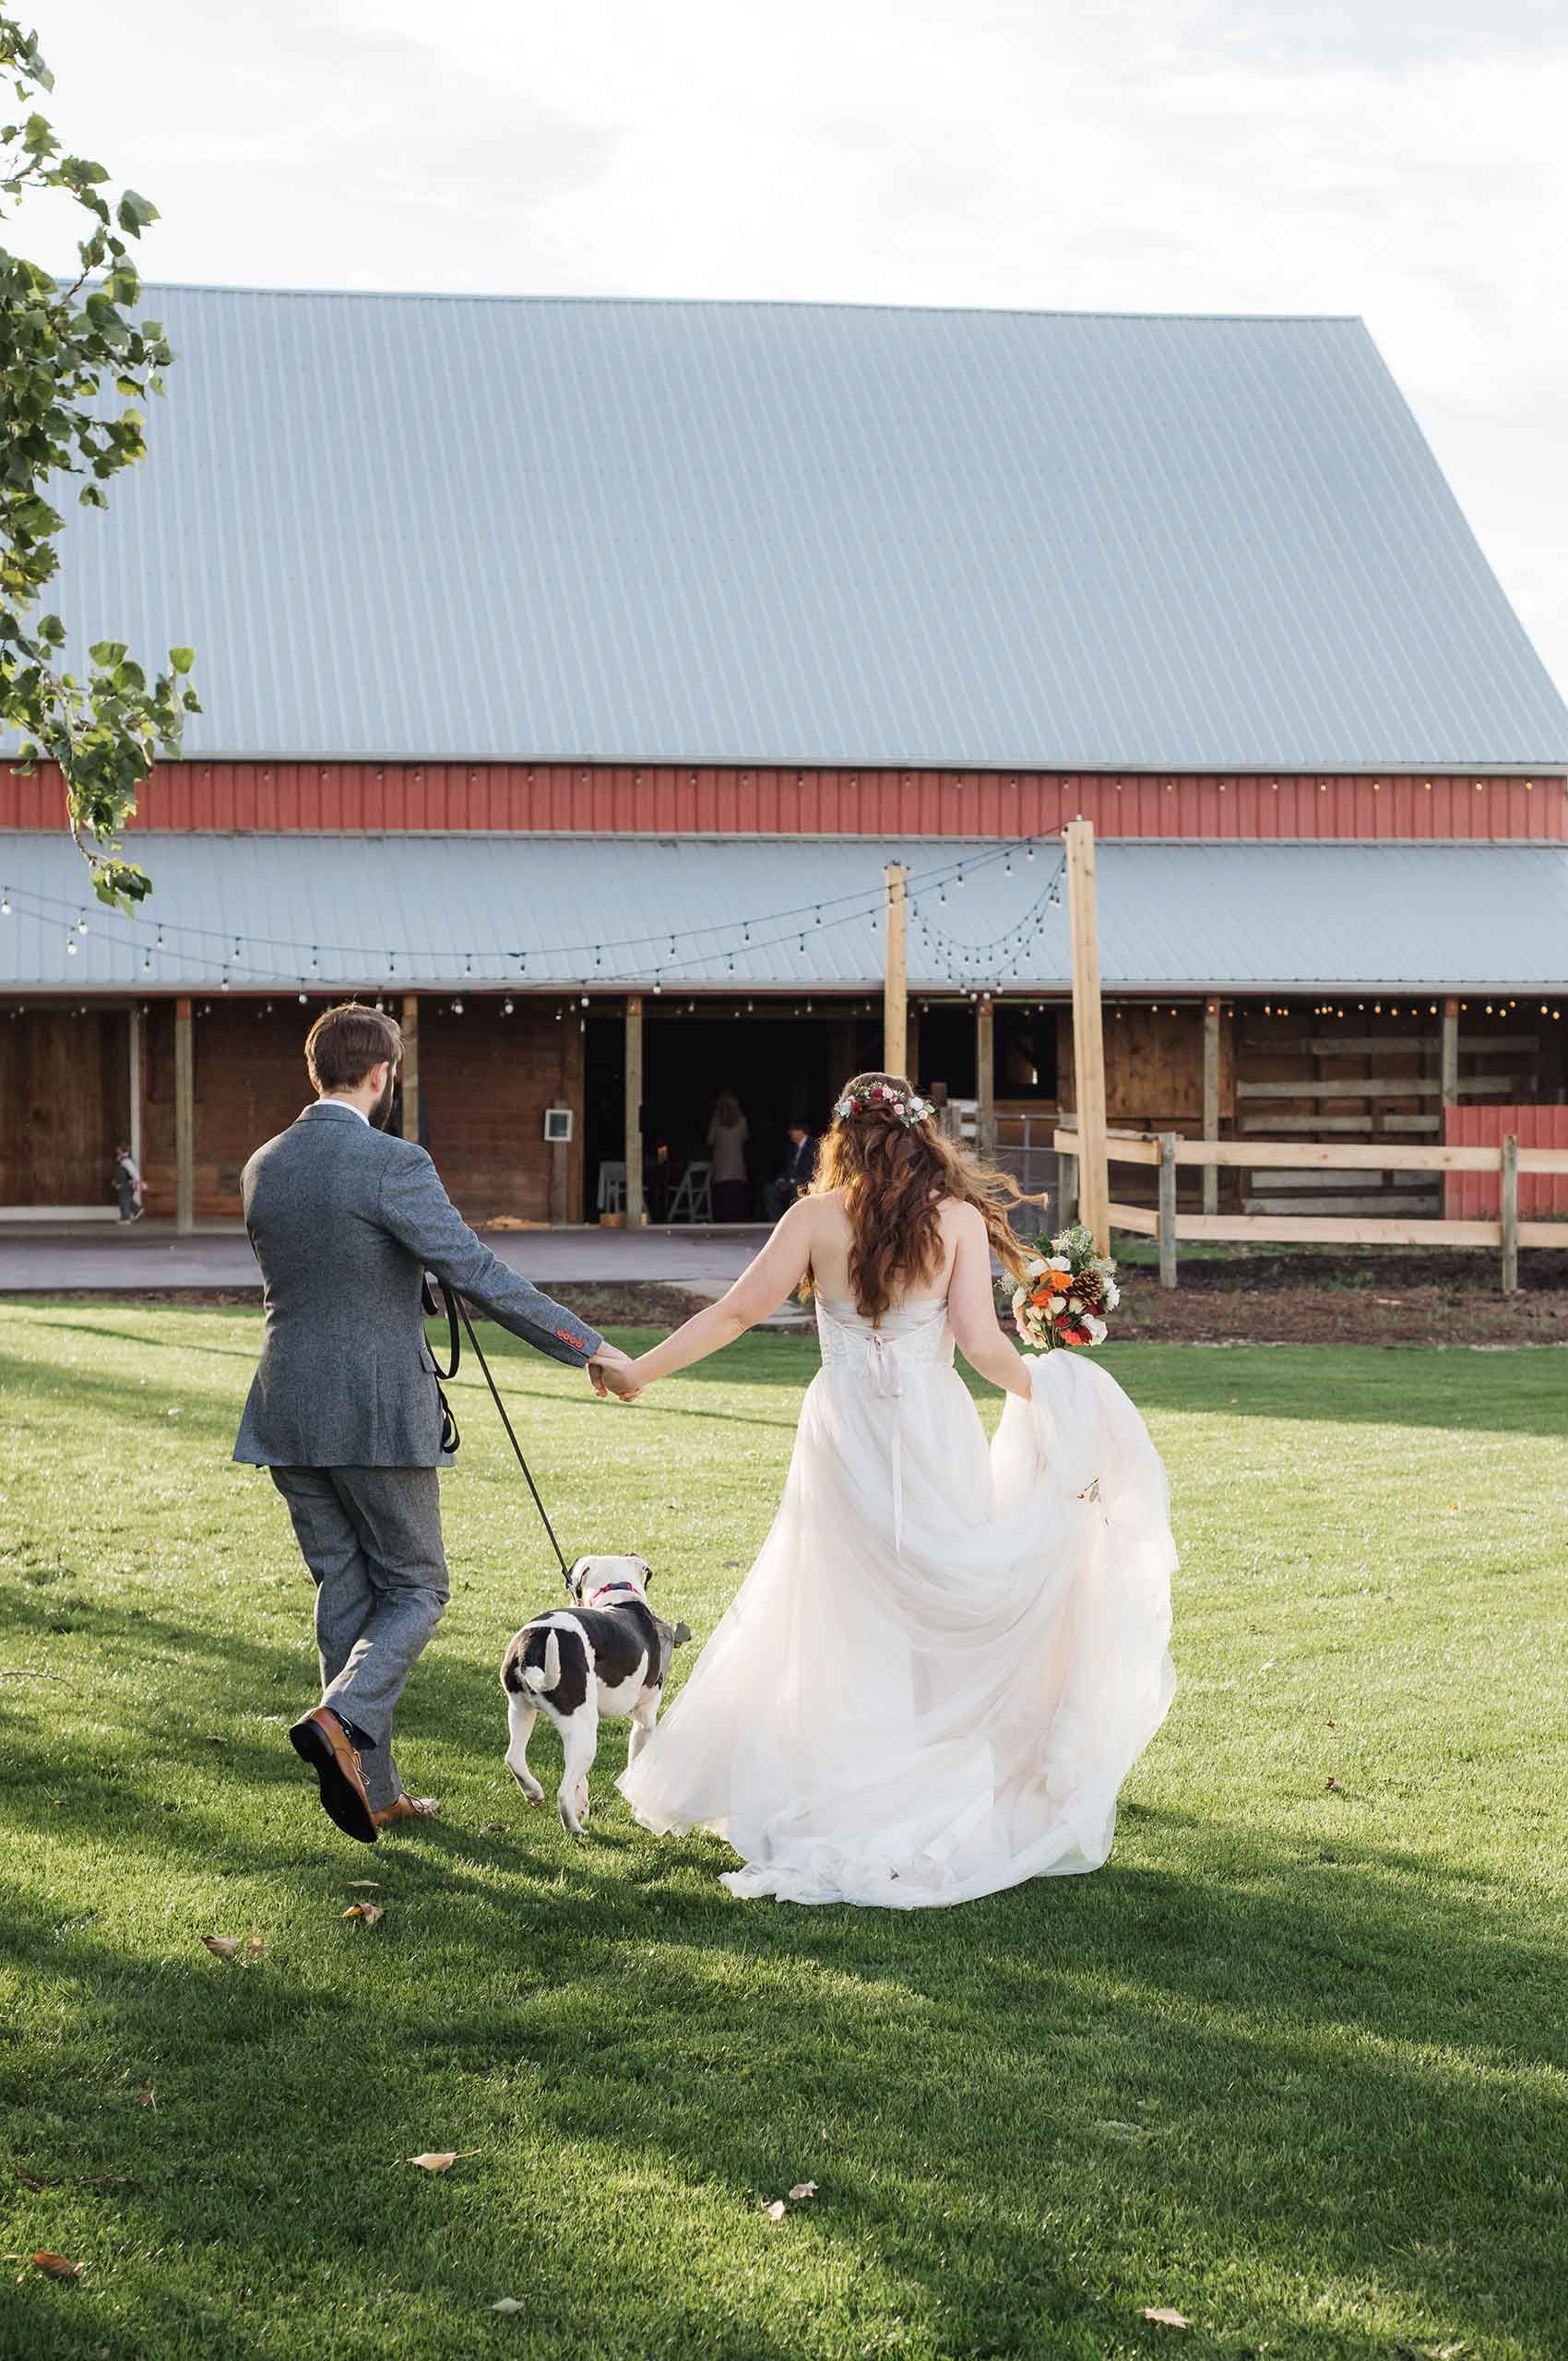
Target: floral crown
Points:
(879, 1098)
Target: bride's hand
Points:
(614, 1376)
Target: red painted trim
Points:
(578, 800)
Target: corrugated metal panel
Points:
(1477, 1196)
(446, 527)
(600, 913)
(625, 799)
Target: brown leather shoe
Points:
(407, 1807)
(320, 1739)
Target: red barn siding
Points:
(1476, 1196)
(573, 799)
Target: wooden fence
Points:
(1167, 1151)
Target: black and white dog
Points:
(609, 1652)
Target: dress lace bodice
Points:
(914, 1335)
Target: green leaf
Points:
(107, 653)
(91, 496)
(181, 659)
(133, 213)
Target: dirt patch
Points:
(1390, 1298)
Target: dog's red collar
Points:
(609, 1590)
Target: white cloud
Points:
(1292, 155)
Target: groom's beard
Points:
(382, 1106)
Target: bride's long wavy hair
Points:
(895, 1177)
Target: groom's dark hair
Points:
(344, 1043)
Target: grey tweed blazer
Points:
(345, 1220)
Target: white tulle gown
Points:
(938, 1673)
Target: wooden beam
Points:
(1510, 1213)
(1167, 1232)
(1323, 1229)
(1089, 1033)
(1067, 1188)
(185, 1118)
(1363, 1124)
(137, 1047)
(1211, 1100)
(410, 1066)
(634, 1070)
(1448, 1054)
(1383, 1087)
(985, 1074)
(1134, 1218)
(895, 990)
(1343, 1155)
(1376, 1045)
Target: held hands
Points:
(610, 1371)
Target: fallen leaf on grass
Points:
(221, 1946)
(1163, 2313)
(110, 2180)
(57, 2266)
(1334, 1782)
(148, 2098)
(802, 2191)
(363, 1885)
(440, 2160)
(506, 2304)
(369, 1912)
(27, 2181)
(493, 1828)
(777, 2211)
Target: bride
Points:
(945, 1660)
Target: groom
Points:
(344, 1411)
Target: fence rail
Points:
(1167, 1151)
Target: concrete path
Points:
(49, 1257)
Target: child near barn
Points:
(129, 1186)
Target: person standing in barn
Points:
(727, 1136)
(345, 1412)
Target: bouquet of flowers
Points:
(1069, 1288)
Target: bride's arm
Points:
(971, 1309)
(761, 1287)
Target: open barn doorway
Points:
(783, 1060)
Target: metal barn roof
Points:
(319, 913)
(416, 527)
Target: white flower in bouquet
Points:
(1096, 1328)
(1060, 1263)
(1035, 1265)
(1113, 1295)
(1075, 1303)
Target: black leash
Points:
(454, 1309)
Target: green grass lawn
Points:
(1294, 2063)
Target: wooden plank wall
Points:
(1473, 1196)
(64, 1091)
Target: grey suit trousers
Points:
(372, 1540)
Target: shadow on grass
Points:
(1336, 2061)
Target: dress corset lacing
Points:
(914, 1336)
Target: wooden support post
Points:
(410, 1066)
(1450, 1053)
(1211, 1100)
(138, 1082)
(185, 1119)
(985, 1074)
(1089, 1034)
(1510, 1193)
(634, 1110)
(1167, 1208)
(895, 995)
(1066, 1191)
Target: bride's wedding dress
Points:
(946, 1658)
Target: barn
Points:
(573, 670)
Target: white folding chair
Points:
(693, 1200)
(612, 1187)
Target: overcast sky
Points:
(1399, 159)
